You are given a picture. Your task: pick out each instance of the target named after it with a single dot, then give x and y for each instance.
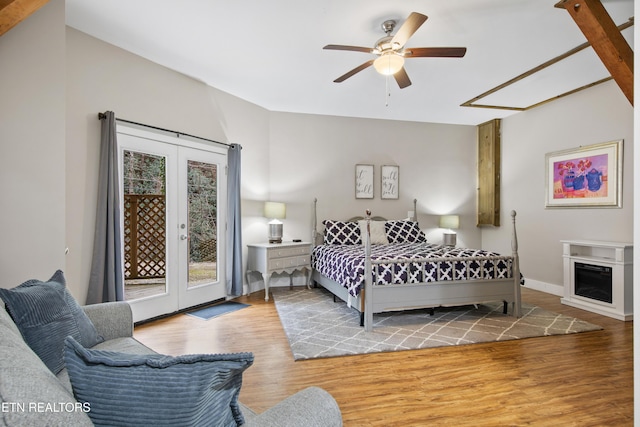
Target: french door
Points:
(173, 199)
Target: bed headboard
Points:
(360, 218)
(316, 237)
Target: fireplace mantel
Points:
(616, 255)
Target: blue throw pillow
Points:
(46, 313)
(157, 390)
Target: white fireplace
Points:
(598, 277)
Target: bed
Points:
(405, 271)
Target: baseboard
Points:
(246, 289)
(549, 288)
(254, 281)
(536, 285)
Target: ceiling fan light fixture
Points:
(388, 63)
(390, 51)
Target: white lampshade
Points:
(388, 63)
(275, 210)
(450, 221)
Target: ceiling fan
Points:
(390, 50)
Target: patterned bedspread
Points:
(399, 263)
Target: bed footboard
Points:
(396, 297)
(473, 288)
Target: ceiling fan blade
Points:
(410, 26)
(354, 71)
(351, 48)
(442, 52)
(402, 78)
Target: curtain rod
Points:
(102, 116)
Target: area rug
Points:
(217, 310)
(317, 327)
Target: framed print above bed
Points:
(364, 181)
(389, 181)
(589, 176)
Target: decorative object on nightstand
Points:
(287, 257)
(449, 223)
(276, 211)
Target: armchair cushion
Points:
(157, 390)
(46, 313)
(313, 405)
(111, 319)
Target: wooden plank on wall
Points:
(605, 38)
(488, 201)
(12, 12)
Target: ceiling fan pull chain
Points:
(387, 93)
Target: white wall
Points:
(48, 171)
(32, 162)
(288, 157)
(103, 77)
(596, 115)
(315, 156)
(636, 255)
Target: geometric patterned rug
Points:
(318, 327)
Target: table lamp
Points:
(449, 223)
(276, 211)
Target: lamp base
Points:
(449, 239)
(275, 232)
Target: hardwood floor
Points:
(571, 380)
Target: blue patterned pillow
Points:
(46, 313)
(404, 231)
(157, 390)
(341, 233)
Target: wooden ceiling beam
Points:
(605, 38)
(12, 12)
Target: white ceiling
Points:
(270, 52)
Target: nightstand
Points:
(286, 257)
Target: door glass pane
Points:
(203, 222)
(145, 216)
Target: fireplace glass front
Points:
(593, 281)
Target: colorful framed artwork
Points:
(364, 181)
(389, 181)
(589, 176)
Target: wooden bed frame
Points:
(378, 299)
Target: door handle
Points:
(183, 237)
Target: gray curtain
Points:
(106, 282)
(234, 225)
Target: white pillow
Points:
(378, 232)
